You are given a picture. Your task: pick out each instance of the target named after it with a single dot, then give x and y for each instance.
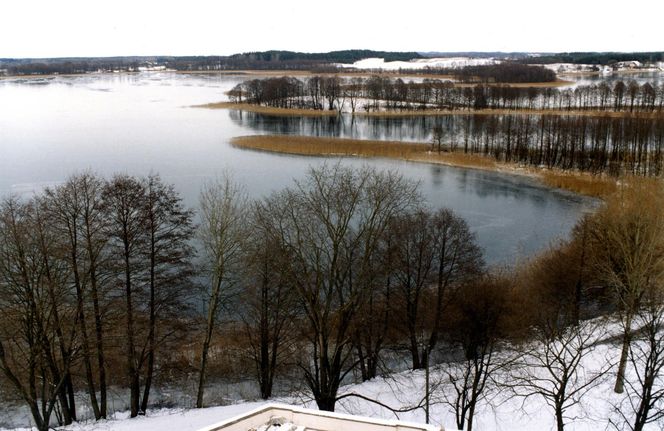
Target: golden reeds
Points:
(269, 110)
(582, 183)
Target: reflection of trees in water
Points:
(594, 144)
(416, 129)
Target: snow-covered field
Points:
(453, 62)
(458, 62)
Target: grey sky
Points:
(200, 27)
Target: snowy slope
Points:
(405, 390)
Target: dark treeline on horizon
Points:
(266, 60)
(596, 58)
(289, 60)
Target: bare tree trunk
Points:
(619, 387)
(99, 340)
(212, 312)
(152, 328)
(132, 372)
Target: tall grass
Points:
(599, 186)
(321, 146)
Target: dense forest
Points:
(101, 288)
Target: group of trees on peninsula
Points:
(383, 93)
(110, 283)
(631, 142)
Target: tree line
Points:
(94, 279)
(505, 72)
(613, 145)
(100, 285)
(264, 60)
(71, 67)
(381, 93)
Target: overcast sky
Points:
(68, 28)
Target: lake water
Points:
(142, 123)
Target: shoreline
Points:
(577, 182)
(361, 73)
(268, 110)
(301, 73)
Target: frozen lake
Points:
(142, 123)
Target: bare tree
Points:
(627, 242)
(435, 254)
(38, 337)
(437, 138)
(332, 226)
(66, 208)
(551, 366)
(644, 401)
(331, 90)
(270, 304)
(124, 202)
(169, 230)
(476, 329)
(353, 91)
(222, 232)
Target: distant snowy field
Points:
(423, 63)
(458, 62)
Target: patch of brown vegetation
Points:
(321, 146)
(582, 183)
(600, 186)
(268, 110)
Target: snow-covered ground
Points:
(165, 419)
(434, 63)
(405, 389)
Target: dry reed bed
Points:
(577, 182)
(321, 146)
(600, 186)
(268, 110)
